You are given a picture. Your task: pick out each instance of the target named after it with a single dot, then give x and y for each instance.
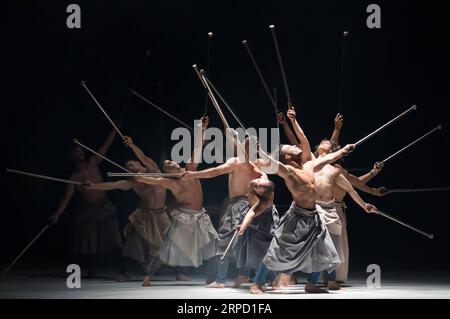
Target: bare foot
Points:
(122, 278)
(216, 285)
(181, 277)
(313, 289)
(241, 280)
(292, 280)
(256, 289)
(146, 282)
(333, 285)
(286, 279)
(276, 283)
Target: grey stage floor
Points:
(167, 288)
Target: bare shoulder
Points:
(340, 169)
(232, 161)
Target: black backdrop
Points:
(387, 70)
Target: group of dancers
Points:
(310, 237)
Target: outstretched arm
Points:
(123, 185)
(104, 148)
(147, 161)
(158, 181)
(320, 162)
(356, 183)
(304, 143)
(193, 162)
(70, 190)
(248, 219)
(338, 122)
(287, 130)
(343, 183)
(377, 167)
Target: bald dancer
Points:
(96, 231)
(149, 222)
(247, 252)
(191, 238)
(302, 241)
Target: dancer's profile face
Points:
(171, 167)
(324, 147)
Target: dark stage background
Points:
(386, 71)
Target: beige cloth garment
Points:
(151, 225)
(331, 217)
(342, 270)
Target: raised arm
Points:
(287, 130)
(304, 143)
(123, 185)
(147, 161)
(70, 190)
(343, 183)
(225, 168)
(338, 122)
(320, 162)
(193, 162)
(377, 167)
(104, 148)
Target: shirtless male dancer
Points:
(301, 242)
(148, 224)
(247, 253)
(358, 182)
(191, 238)
(96, 230)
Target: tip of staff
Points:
(432, 236)
(272, 26)
(75, 140)
(210, 34)
(440, 127)
(7, 170)
(244, 42)
(414, 107)
(194, 66)
(83, 83)
(345, 33)
(202, 72)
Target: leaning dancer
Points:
(247, 252)
(96, 230)
(301, 241)
(260, 198)
(358, 182)
(191, 238)
(328, 180)
(148, 224)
